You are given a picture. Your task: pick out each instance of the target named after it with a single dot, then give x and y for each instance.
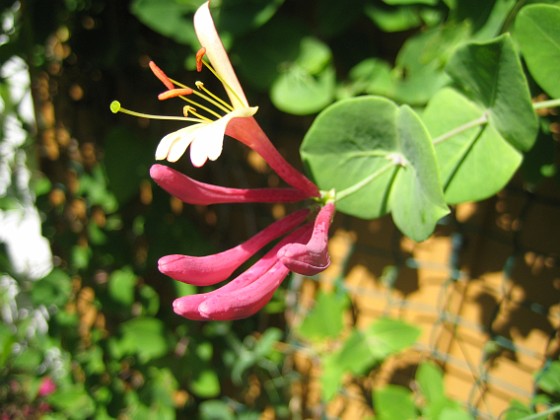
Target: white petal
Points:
(173, 146)
(216, 53)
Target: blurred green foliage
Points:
(113, 346)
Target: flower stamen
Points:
(159, 73)
(201, 87)
(116, 108)
(221, 79)
(174, 93)
(188, 109)
(200, 53)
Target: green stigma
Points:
(115, 107)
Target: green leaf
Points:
(490, 74)
(7, 339)
(363, 349)
(378, 158)
(241, 16)
(430, 381)
(393, 19)
(215, 410)
(53, 289)
(537, 30)
(517, 411)
(206, 383)
(308, 83)
(172, 18)
(144, 337)
(73, 401)
(548, 378)
(394, 402)
(403, 2)
(264, 54)
(467, 160)
(121, 286)
(325, 320)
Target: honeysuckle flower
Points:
(303, 250)
(313, 257)
(211, 269)
(214, 117)
(247, 293)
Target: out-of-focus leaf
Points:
(430, 381)
(308, 83)
(363, 349)
(517, 411)
(206, 383)
(240, 16)
(144, 337)
(215, 410)
(548, 379)
(149, 299)
(393, 19)
(394, 402)
(537, 29)
(261, 56)
(121, 286)
(325, 320)
(73, 401)
(172, 18)
(7, 339)
(53, 289)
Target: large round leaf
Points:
(537, 29)
(377, 157)
(474, 163)
(490, 74)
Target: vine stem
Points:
(359, 185)
(553, 103)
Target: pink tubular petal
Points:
(249, 132)
(191, 191)
(211, 269)
(311, 258)
(245, 300)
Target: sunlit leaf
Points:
(363, 349)
(537, 29)
(548, 378)
(325, 320)
(394, 402)
(378, 158)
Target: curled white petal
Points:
(205, 139)
(216, 53)
(173, 145)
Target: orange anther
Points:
(199, 56)
(161, 75)
(173, 93)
